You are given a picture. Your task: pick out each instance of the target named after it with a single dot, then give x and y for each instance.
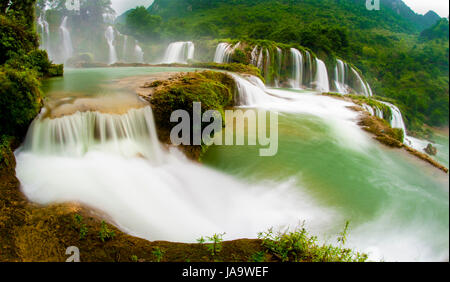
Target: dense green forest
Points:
(404, 56)
(22, 66)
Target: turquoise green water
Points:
(389, 199)
(85, 82)
(398, 207)
(442, 144)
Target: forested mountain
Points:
(385, 45)
(394, 15)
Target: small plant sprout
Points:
(82, 228)
(216, 243)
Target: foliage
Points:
(233, 67)
(82, 227)
(20, 100)
(141, 24)
(5, 151)
(386, 46)
(213, 89)
(215, 245)
(437, 31)
(258, 257)
(158, 253)
(299, 246)
(105, 233)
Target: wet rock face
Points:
(431, 150)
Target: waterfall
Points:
(309, 67)
(66, 41)
(267, 66)
(339, 76)
(279, 61)
(260, 63)
(179, 52)
(250, 92)
(138, 53)
(77, 134)
(222, 53)
(110, 163)
(396, 117)
(110, 37)
(254, 56)
(322, 83)
(125, 47)
(297, 68)
(45, 35)
(362, 84)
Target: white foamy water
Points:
(179, 52)
(115, 164)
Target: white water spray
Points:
(179, 52)
(138, 53)
(110, 37)
(67, 51)
(297, 68)
(322, 82)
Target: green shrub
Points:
(16, 39)
(105, 233)
(213, 89)
(20, 100)
(299, 246)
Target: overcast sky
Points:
(423, 6)
(419, 6)
(123, 5)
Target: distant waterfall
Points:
(322, 83)
(222, 53)
(125, 47)
(138, 53)
(179, 52)
(66, 41)
(77, 134)
(259, 63)
(254, 56)
(362, 84)
(279, 63)
(339, 77)
(45, 35)
(297, 68)
(110, 37)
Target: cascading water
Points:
(363, 85)
(279, 62)
(110, 37)
(179, 52)
(76, 135)
(322, 82)
(67, 51)
(125, 48)
(297, 68)
(339, 77)
(254, 56)
(138, 53)
(45, 35)
(250, 93)
(260, 62)
(114, 163)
